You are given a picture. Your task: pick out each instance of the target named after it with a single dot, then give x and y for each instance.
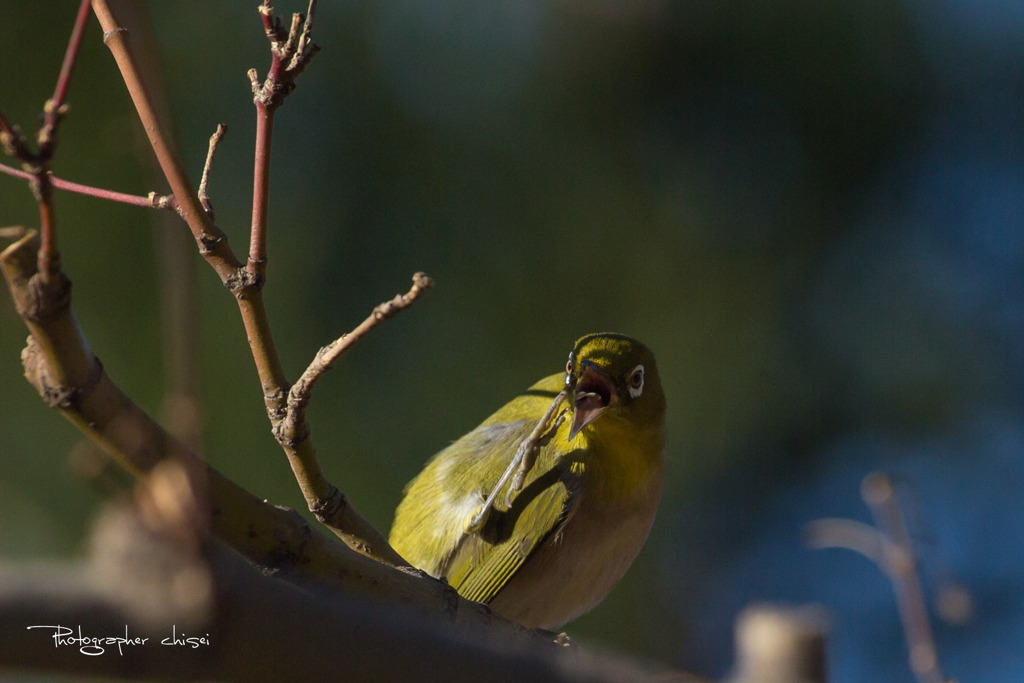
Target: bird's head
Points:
(612, 377)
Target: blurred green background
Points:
(810, 211)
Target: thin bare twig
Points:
(522, 462)
(889, 546)
(530, 448)
(35, 168)
(324, 499)
(952, 602)
(68, 65)
(87, 190)
(257, 262)
(901, 566)
(290, 53)
(53, 112)
(204, 182)
(327, 356)
(212, 242)
(848, 534)
(305, 49)
(37, 164)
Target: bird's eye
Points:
(635, 381)
(568, 370)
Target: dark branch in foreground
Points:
(59, 364)
(140, 583)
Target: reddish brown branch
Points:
(211, 240)
(257, 263)
(36, 169)
(53, 112)
(36, 165)
(87, 190)
(290, 53)
(68, 65)
(522, 462)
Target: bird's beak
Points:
(594, 393)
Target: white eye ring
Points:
(568, 370)
(636, 381)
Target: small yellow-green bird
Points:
(587, 448)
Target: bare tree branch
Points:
(247, 282)
(37, 164)
(290, 53)
(79, 188)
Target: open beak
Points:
(594, 393)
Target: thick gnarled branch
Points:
(60, 365)
(244, 625)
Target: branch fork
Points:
(292, 432)
(291, 50)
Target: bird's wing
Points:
(431, 522)
(481, 567)
(485, 560)
(438, 505)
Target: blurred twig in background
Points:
(889, 545)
